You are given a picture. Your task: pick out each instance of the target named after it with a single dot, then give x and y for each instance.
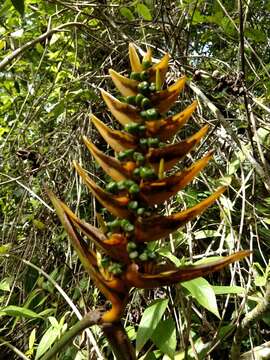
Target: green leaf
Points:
(127, 13)
(203, 292)
(149, 321)
(19, 6)
(256, 34)
(13, 310)
(166, 253)
(144, 11)
(5, 285)
(223, 290)
(46, 341)
(31, 341)
(198, 18)
(164, 337)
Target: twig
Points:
(8, 59)
(250, 317)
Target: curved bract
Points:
(139, 182)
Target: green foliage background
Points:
(49, 88)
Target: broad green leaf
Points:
(166, 253)
(5, 285)
(46, 341)
(131, 332)
(223, 290)
(202, 234)
(13, 310)
(19, 6)
(127, 13)
(144, 11)
(149, 321)
(164, 337)
(203, 292)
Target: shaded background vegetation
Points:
(47, 93)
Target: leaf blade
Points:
(203, 292)
(149, 321)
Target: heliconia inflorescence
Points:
(122, 258)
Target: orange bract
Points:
(139, 182)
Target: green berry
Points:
(144, 142)
(146, 173)
(134, 189)
(115, 268)
(152, 87)
(112, 187)
(143, 114)
(126, 225)
(136, 173)
(146, 64)
(128, 183)
(133, 254)
(132, 128)
(131, 100)
(131, 246)
(144, 75)
(140, 211)
(126, 154)
(138, 157)
(114, 225)
(143, 87)
(135, 76)
(139, 98)
(122, 99)
(152, 114)
(153, 142)
(121, 185)
(133, 205)
(143, 257)
(146, 103)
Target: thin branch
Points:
(8, 59)
(250, 317)
(13, 348)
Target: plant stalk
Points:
(119, 341)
